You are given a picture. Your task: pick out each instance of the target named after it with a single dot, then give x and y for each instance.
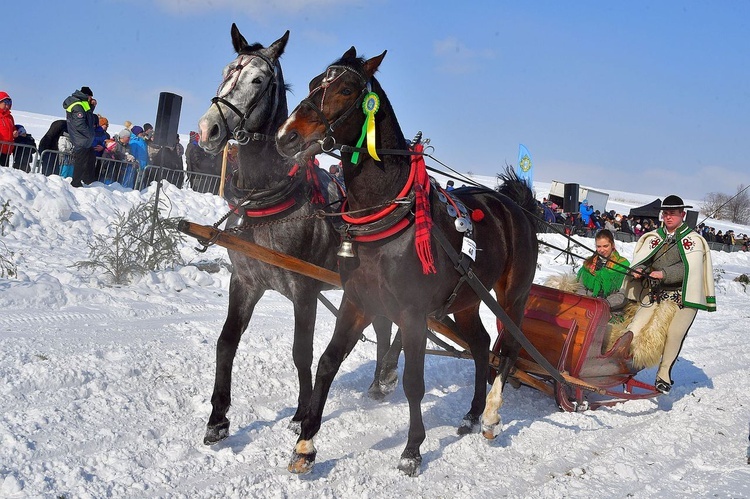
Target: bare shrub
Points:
(7, 266)
(130, 250)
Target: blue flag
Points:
(524, 168)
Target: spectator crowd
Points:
(589, 220)
(80, 147)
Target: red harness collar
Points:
(417, 187)
(286, 203)
(268, 211)
(385, 211)
(377, 216)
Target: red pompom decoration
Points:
(477, 215)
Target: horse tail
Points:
(520, 192)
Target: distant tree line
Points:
(735, 208)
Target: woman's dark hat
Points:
(673, 202)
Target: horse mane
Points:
(349, 61)
(248, 50)
(286, 87)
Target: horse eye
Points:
(346, 91)
(257, 81)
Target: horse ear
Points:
(238, 41)
(277, 48)
(350, 54)
(371, 65)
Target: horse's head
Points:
(251, 93)
(333, 106)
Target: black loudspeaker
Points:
(570, 199)
(691, 218)
(167, 119)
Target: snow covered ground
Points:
(105, 390)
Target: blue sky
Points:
(649, 97)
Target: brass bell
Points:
(346, 250)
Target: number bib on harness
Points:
(469, 248)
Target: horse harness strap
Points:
(494, 306)
(381, 227)
(457, 210)
(265, 202)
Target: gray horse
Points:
(270, 200)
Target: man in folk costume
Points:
(678, 260)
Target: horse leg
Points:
(491, 423)
(350, 323)
(415, 343)
(509, 348)
(471, 329)
(242, 301)
(386, 372)
(305, 311)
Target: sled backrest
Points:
(560, 323)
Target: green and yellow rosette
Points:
(370, 106)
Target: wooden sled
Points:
(570, 331)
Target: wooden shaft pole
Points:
(222, 180)
(261, 253)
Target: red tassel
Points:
(312, 179)
(423, 219)
(424, 252)
(477, 215)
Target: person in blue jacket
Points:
(138, 146)
(586, 212)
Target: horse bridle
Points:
(328, 143)
(240, 134)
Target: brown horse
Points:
(273, 210)
(389, 276)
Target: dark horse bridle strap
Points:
(241, 135)
(331, 127)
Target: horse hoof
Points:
(216, 433)
(295, 426)
(470, 424)
(300, 464)
(491, 431)
(385, 386)
(375, 392)
(379, 391)
(410, 466)
(389, 380)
